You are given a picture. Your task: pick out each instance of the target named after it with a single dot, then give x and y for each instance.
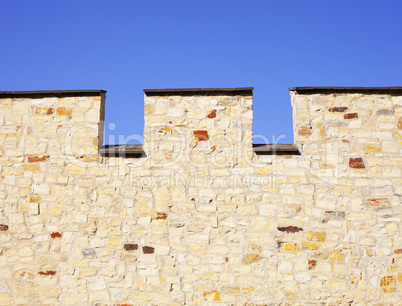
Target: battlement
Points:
(198, 214)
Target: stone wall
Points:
(200, 219)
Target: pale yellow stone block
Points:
(114, 242)
(55, 210)
(74, 169)
(316, 236)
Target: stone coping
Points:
(392, 90)
(199, 91)
(51, 93)
(137, 150)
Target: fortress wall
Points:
(199, 218)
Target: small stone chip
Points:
(356, 163)
(148, 250)
(3, 227)
(131, 246)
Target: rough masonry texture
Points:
(195, 216)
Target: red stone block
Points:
(201, 135)
(34, 159)
(55, 235)
(351, 116)
(212, 114)
(356, 163)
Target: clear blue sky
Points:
(126, 46)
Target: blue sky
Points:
(126, 46)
